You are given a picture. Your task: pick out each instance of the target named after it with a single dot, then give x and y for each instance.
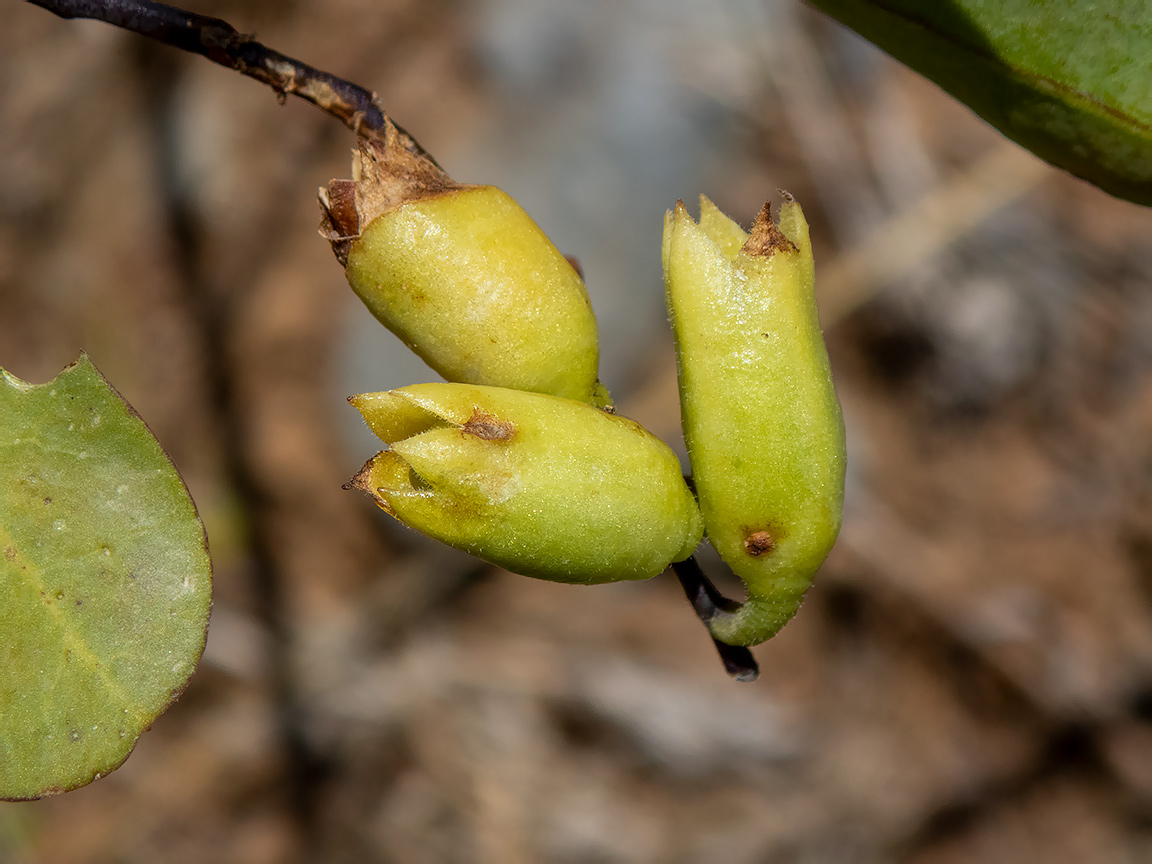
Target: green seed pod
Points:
(761, 420)
(542, 486)
(462, 275)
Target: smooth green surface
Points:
(472, 285)
(761, 420)
(105, 581)
(542, 486)
(1070, 80)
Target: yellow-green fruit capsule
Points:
(542, 486)
(761, 420)
(462, 275)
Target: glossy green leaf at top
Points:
(105, 581)
(1068, 79)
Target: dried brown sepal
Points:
(340, 221)
(361, 479)
(388, 169)
(765, 239)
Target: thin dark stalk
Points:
(222, 43)
(708, 601)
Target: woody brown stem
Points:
(222, 43)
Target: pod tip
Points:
(766, 239)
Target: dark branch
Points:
(222, 43)
(707, 601)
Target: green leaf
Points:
(105, 581)
(1071, 80)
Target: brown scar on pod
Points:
(488, 426)
(759, 543)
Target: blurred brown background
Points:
(971, 677)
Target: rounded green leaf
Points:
(105, 581)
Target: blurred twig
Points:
(214, 310)
(785, 52)
(917, 233)
(222, 43)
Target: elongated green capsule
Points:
(462, 275)
(761, 420)
(542, 486)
